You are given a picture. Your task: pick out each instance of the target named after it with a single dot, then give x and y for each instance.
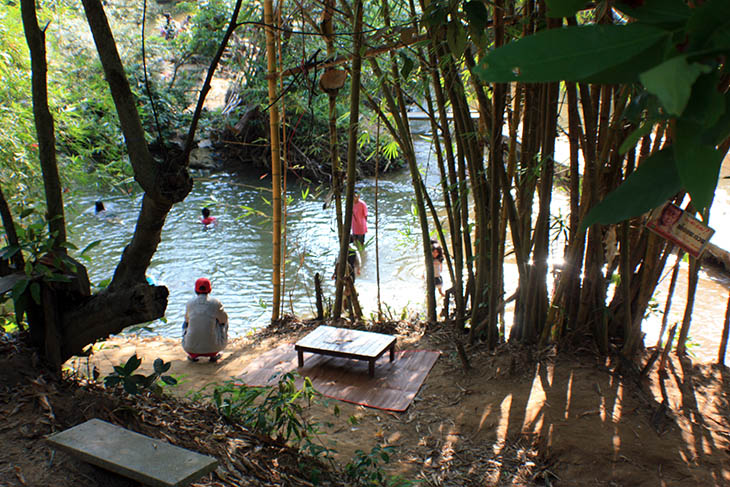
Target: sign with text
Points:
(680, 228)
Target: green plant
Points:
(365, 470)
(275, 411)
(136, 383)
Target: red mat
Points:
(393, 388)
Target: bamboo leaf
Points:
(456, 38)
(570, 53)
(653, 182)
(634, 136)
(671, 81)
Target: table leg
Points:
(300, 358)
(392, 352)
(371, 368)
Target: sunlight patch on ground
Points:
(568, 395)
(503, 426)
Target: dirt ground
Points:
(517, 417)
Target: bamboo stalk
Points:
(275, 158)
(351, 155)
(725, 332)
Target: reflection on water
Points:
(236, 253)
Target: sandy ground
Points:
(517, 417)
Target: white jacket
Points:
(206, 325)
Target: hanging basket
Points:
(332, 80)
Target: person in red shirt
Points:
(207, 219)
(359, 219)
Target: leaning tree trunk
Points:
(69, 318)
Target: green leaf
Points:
(20, 286)
(706, 104)
(456, 38)
(90, 246)
(35, 292)
(634, 137)
(666, 12)
(653, 182)
(698, 164)
(407, 67)
(132, 364)
(672, 81)
(564, 8)
(160, 366)
(9, 251)
(707, 24)
(570, 53)
(169, 380)
(476, 15)
(130, 386)
(721, 129)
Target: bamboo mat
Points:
(393, 388)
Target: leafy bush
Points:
(275, 411)
(365, 469)
(136, 383)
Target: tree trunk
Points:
(36, 40)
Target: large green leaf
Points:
(665, 12)
(564, 8)
(707, 103)
(708, 24)
(569, 53)
(653, 182)
(671, 81)
(718, 132)
(628, 71)
(698, 164)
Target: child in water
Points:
(207, 219)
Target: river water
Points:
(236, 253)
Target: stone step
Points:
(147, 460)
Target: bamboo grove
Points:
(499, 172)
(636, 91)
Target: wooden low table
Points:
(345, 343)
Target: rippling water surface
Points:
(236, 253)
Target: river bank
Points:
(518, 417)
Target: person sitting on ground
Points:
(207, 219)
(205, 330)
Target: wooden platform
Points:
(147, 460)
(394, 387)
(346, 343)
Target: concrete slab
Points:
(147, 460)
